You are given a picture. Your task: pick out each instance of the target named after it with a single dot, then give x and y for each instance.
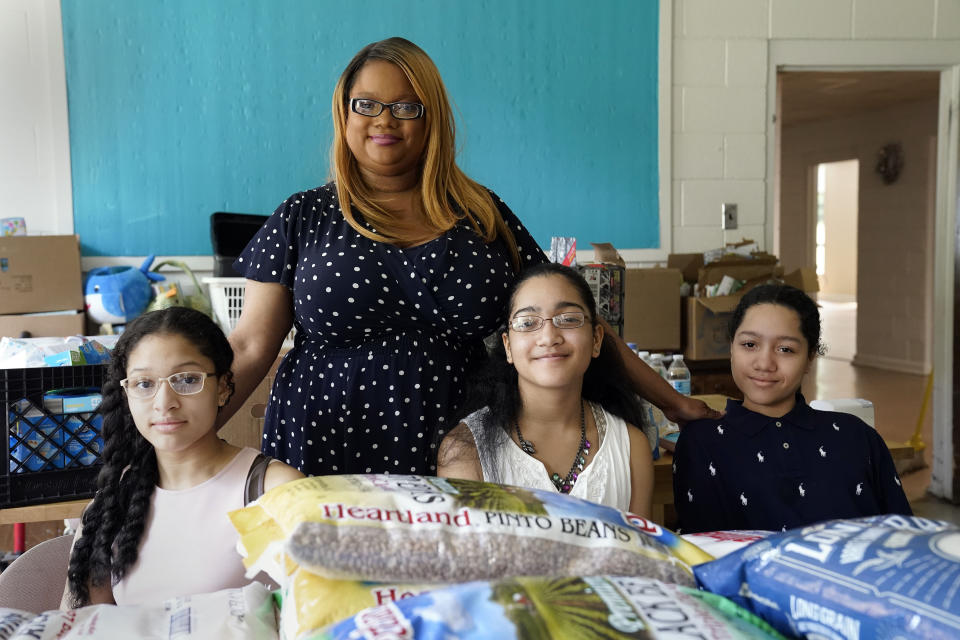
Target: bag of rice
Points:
(877, 577)
(720, 543)
(410, 533)
(595, 607)
(231, 614)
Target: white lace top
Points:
(605, 480)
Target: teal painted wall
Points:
(185, 107)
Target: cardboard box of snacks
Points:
(40, 274)
(651, 308)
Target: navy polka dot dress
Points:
(384, 336)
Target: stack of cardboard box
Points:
(657, 316)
(705, 319)
(645, 306)
(40, 275)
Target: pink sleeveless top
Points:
(189, 545)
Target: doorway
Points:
(870, 237)
(834, 238)
(827, 117)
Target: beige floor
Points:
(897, 399)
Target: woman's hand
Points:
(648, 383)
(684, 409)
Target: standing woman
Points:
(392, 275)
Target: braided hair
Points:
(114, 523)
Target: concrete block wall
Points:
(719, 99)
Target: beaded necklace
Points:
(563, 484)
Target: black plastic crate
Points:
(48, 456)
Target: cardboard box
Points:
(688, 263)
(705, 327)
(804, 278)
(42, 326)
(606, 253)
(40, 273)
(651, 308)
(753, 271)
(706, 320)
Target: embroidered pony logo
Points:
(802, 491)
(823, 454)
(743, 499)
(859, 488)
(712, 469)
(720, 429)
(760, 457)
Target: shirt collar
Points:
(751, 423)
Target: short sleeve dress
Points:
(385, 336)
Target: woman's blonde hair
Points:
(447, 194)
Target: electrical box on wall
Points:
(729, 216)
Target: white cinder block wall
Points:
(720, 121)
(719, 99)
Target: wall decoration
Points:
(890, 162)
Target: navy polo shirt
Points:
(750, 471)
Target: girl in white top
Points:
(158, 526)
(553, 408)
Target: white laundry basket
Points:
(226, 297)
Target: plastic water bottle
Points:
(645, 356)
(656, 361)
(678, 375)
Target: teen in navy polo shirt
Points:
(772, 462)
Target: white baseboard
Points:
(891, 364)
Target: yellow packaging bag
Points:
(421, 530)
(311, 602)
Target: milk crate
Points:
(226, 297)
(48, 456)
(606, 282)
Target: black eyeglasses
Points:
(568, 320)
(399, 110)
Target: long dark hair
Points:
(495, 385)
(114, 523)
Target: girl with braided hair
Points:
(158, 526)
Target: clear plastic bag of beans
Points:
(410, 530)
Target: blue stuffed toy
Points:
(116, 295)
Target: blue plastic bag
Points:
(877, 577)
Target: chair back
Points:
(34, 582)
